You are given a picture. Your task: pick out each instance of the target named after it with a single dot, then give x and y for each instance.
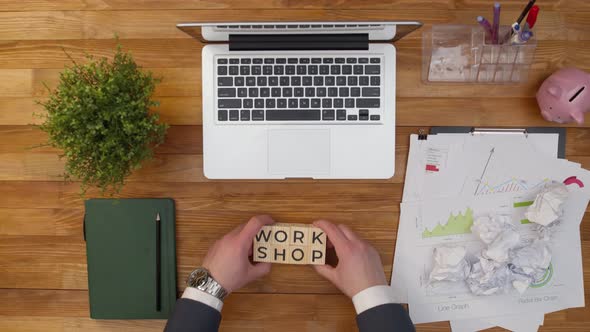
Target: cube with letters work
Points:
(290, 244)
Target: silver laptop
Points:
(299, 99)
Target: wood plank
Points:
(145, 24)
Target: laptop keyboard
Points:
(308, 89)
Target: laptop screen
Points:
(377, 31)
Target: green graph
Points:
(459, 224)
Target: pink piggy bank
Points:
(565, 96)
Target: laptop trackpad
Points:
(299, 152)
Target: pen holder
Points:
(463, 53)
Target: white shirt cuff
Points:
(194, 294)
(372, 297)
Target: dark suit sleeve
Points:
(193, 316)
(390, 317)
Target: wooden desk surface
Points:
(42, 252)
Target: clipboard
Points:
(504, 131)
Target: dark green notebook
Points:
(121, 248)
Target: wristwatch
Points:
(202, 280)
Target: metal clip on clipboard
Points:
(501, 131)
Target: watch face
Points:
(201, 277)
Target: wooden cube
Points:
(290, 244)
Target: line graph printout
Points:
(560, 288)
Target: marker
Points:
(496, 26)
(525, 11)
(531, 19)
(485, 24)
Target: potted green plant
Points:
(100, 116)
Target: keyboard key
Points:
(324, 70)
(287, 92)
(239, 81)
(309, 92)
(292, 60)
(306, 81)
(346, 70)
(358, 69)
(222, 61)
(364, 80)
(248, 103)
(245, 61)
(338, 102)
(258, 103)
(355, 92)
(315, 103)
(343, 92)
(226, 92)
(275, 92)
(234, 115)
(329, 80)
(298, 92)
(332, 92)
(234, 61)
(341, 115)
(296, 81)
(271, 103)
(234, 70)
(304, 103)
(224, 81)
(350, 60)
(375, 80)
(222, 115)
(368, 102)
(371, 92)
(318, 80)
(375, 117)
(257, 61)
(250, 81)
(327, 60)
(363, 117)
(352, 117)
(352, 80)
(363, 60)
(328, 115)
(281, 103)
(273, 81)
(372, 70)
(375, 60)
(301, 70)
(264, 92)
(267, 70)
(253, 92)
(242, 92)
(339, 60)
(269, 60)
(221, 70)
(349, 102)
(293, 103)
(229, 103)
(284, 81)
(256, 70)
(312, 70)
(293, 115)
(244, 70)
(326, 103)
(364, 112)
(257, 115)
(281, 60)
(304, 60)
(335, 70)
(261, 81)
(290, 70)
(321, 92)
(316, 60)
(279, 70)
(245, 115)
(341, 80)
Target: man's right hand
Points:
(359, 265)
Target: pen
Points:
(158, 265)
(531, 19)
(486, 25)
(496, 26)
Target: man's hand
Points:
(359, 265)
(228, 259)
